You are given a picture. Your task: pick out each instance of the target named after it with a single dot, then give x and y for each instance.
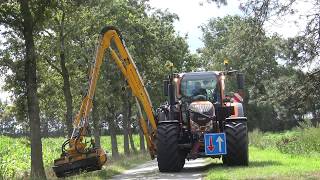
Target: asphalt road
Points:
(193, 169)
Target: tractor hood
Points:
(201, 107)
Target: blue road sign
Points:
(215, 143)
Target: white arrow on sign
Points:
(219, 141)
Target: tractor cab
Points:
(199, 86)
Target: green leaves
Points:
(273, 90)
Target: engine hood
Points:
(203, 107)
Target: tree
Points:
(12, 58)
(141, 136)
(65, 38)
(60, 28)
(299, 51)
(28, 22)
(126, 120)
(249, 50)
(19, 16)
(131, 131)
(7, 120)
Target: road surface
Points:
(193, 169)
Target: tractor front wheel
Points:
(170, 158)
(237, 144)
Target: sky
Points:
(192, 15)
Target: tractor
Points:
(200, 120)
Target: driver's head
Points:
(206, 83)
(197, 85)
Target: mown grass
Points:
(15, 154)
(269, 164)
(288, 155)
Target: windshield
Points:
(193, 85)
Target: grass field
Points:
(288, 155)
(15, 154)
(270, 164)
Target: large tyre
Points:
(237, 144)
(169, 156)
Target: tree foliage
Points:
(65, 41)
(275, 96)
(65, 33)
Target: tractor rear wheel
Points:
(170, 158)
(237, 144)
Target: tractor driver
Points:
(198, 90)
(211, 89)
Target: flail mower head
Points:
(78, 158)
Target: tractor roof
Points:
(202, 73)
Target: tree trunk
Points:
(96, 122)
(113, 136)
(66, 78)
(45, 128)
(142, 145)
(132, 141)
(37, 170)
(125, 120)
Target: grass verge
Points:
(300, 141)
(15, 157)
(270, 164)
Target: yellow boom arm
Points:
(129, 70)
